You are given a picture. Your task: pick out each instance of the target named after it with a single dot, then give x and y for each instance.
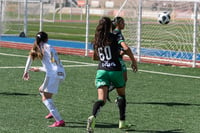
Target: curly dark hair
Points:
(102, 33)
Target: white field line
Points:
(15, 67)
(13, 55)
(78, 62)
(170, 74)
(84, 63)
(92, 64)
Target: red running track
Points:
(81, 52)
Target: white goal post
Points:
(181, 0)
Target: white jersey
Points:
(51, 64)
(50, 61)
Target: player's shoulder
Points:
(116, 31)
(112, 36)
(46, 45)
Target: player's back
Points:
(51, 61)
(109, 55)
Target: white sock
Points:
(52, 109)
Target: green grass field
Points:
(160, 99)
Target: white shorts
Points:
(51, 84)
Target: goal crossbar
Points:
(180, 0)
(27, 0)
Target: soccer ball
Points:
(164, 18)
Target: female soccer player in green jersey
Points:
(106, 50)
(118, 26)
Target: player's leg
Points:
(102, 95)
(49, 116)
(112, 87)
(102, 83)
(121, 99)
(50, 87)
(121, 102)
(124, 70)
(119, 82)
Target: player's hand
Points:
(34, 69)
(134, 66)
(26, 76)
(122, 52)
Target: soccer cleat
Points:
(49, 116)
(124, 125)
(58, 124)
(91, 124)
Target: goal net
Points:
(175, 43)
(17, 14)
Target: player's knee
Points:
(101, 102)
(121, 100)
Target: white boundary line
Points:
(13, 55)
(16, 67)
(170, 74)
(92, 64)
(84, 63)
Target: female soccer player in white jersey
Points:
(54, 70)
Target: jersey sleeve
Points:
(120, 37)
(42, 69)
(28, 64)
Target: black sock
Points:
(96, 107)
(121, 101)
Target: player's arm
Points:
(26, 70)
(37, 69)
(95, 56)
(128, 52)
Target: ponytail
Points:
(102, 33)
(37, 51)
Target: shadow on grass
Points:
(84, 124)
(17, 94)
(79, 124)
(106, 125)
(165, 103)
(154, 131)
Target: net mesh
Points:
(171, 41)
(13, 13)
